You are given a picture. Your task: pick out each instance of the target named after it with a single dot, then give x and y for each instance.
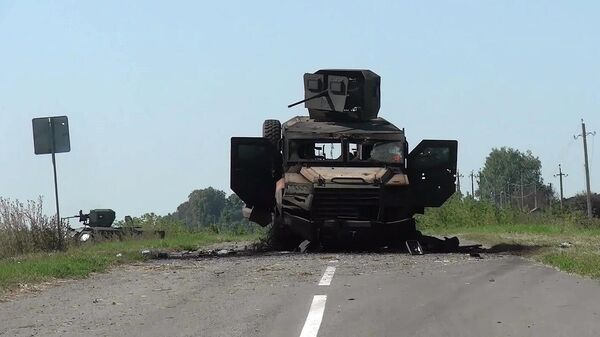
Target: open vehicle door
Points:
(432, 171)
(255, 168)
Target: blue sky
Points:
(154, 90)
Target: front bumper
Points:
(345, 229)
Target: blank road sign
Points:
(49, 133)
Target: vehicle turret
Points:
(341, 95)
(97, 217)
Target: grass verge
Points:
(541, 242)
(81, 261)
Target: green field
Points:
(580, 254)
(81, 261)
(537, 236)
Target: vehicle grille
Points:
(346, 203)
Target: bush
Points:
(25, 229)
(459, 212)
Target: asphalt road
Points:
(314, 295)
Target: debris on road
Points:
(304, 246)
(155, 254)
(243, 249)
(223, 252)
(414, 247)
(566, 244)
(422, 244)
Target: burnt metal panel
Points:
(431, 170)
(255, 168)
(308, 128)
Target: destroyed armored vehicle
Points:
(98, 224)
(341, 174)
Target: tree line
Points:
(210, 206)
(513, 179)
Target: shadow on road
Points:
(512, 248)
(429, 244)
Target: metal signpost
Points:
(51, 136)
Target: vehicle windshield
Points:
(311, 150)
(389, 152)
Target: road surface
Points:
(315, 295)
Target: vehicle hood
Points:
(346, 175)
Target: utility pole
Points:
(584, 135)
(472, 184)
(560, 176)
(473, 176)
(478, 176)
(522, 194)
(458, 176)
(535, 204)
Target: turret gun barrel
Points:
(321, 94)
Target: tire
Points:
(272, 131)
(281, 238)
(407, 232)
(84, 237)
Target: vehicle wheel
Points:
(410, 229)
(407, 232)
(282, 238)
(84, 237)
(272, 131)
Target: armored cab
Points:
(341, 174)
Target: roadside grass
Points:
(538, 235)
(79, 261)
(540, 242)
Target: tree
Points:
(509, 173)
(203, 208)
(232, 212)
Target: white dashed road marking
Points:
(328, 276)
(315, 316)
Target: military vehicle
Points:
(341, 174)
(98, 224)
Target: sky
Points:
(155, 89)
